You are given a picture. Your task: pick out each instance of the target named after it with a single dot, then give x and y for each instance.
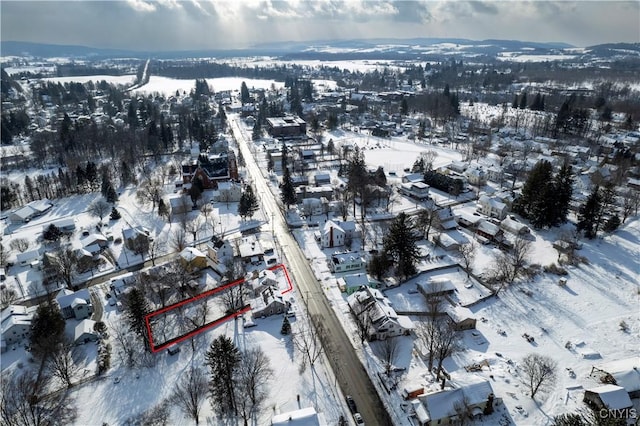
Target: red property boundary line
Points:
(209, 325)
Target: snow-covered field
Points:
(125, 80)
(169, 86)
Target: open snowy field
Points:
(169, 86)
(125, 80)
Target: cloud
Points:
(141, 5)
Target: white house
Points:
(302, 417)
(513, 226)
(417, 190)
(346, 262)
(332, 235)
(228, 192)
(491, 207)
(28, 257)
(476, 176)
(15, 323)
(75, 304)
(219, 250)
(84, 332)
(66, 225)
(374, 312)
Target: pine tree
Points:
(245, 97)
(286, 327)
(112, 195)
(47, 330)
(611, 224)
(523, 101)
(136, 309)
(223, 359)
(252, 201)
(288, 192)
(115, 214)
(400, 245)
(52, 233)
(589, 213)
(537, 195)
(563, 191)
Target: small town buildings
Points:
(489, 232)
(269, 302)
(228, 192)
(351, 283)
(611, 397)
(374, 312)
(321, 179)
(460, 318)
(211, 169)
(15, 324)
(84, 332)
(491, 207)
(624, 372)
(265, 279)
(96, 240)
(443, 407)
(302, 417)
(66, 225)
(192, 259)
(332, 235)
(29, 257)
(346, 262)
(413, 178)
(181, 204)
(446, 220)
(219, 250)
(75, 305)
(315, 206)
(31, 210)
(250, 250)
(476, 176)
(417, 190)
(286, 127)
(513, 226)
(135, 238)
(434, 288)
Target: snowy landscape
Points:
(272, 240)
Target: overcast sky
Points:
(227, 24)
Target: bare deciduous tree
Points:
(190, 392)
(99, 208)
(427, 218)
(308, 340)
(193, 227)
(63, 263)
(178, 239)
(233, 298)
(61, 365)
(388, 349)
(511, 264)
(19, 244)
(468, 254)
(446, 343)
(150, 191)
(630, 203)
(539, 371)
(253, 375)
(7, 297)
(428, 329)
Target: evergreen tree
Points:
(47, 330)
(288, 192)
(286, 327)
(523, 101)
(136, 308)
(404, 107)
(115, 214)
(163, 208)
(256, 133)
(400, 244)
(245, 96)
(611, 224)
(514, 104)
(112, 195)
(537, 197)
(251, 200)
(562, 193)
(223, 359)
(52, 233)
(589, 213)
(285, 154)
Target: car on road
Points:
(351, 404)
(358, 418)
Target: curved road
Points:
(346, 365)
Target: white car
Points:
(358, 418)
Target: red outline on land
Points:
(210, 324)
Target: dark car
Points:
(352, 404)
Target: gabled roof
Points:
(612, 396)
(66, 297)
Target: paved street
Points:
(351, 375)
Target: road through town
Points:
(349, 371)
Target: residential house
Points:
(460, 318)
(75, 304)
(96, 240)
(374, 312)
(495, 174)
(476, 176)
(468, 220)
(491, 207)
(302, 417)
(66, 225)
(286, 127)
(443, 407)
(211, 169)
(624, 372)
(31, 210)
(84, 332)
(446, 219)
(15, 323)
(346, 262)
(315, 206)
(413, 178)
(304, 192)
(136, 238)
(433, 288)
(181, 204)
(192, 259)
(511, 225)
(417, 190)
(30, 257)
(219, 250)
(322, 179)
(351, 283)
(489, 231)
(611, 397)
(250, 250)
(270, 302)
(228, 192)
(265, 279)
(332, 235)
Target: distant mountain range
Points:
(413, 48)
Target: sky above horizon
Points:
(162, 25)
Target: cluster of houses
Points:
(75, 306)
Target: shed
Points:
(608, 396)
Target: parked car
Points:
(351, 404)
(358, 418)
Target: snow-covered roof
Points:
(84, 327)
(302, 417)
(443, 404)
(66, 297)
(191, 253)
(625, 371)
(439, 286)
(612, 396)
(28, 256)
